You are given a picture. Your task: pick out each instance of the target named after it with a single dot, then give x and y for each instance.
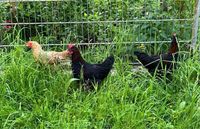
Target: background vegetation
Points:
(99, 10)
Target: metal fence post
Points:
(195, 24)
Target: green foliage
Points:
(33, 96)
(99, 10)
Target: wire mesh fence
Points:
(95, 21)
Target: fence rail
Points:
(93, 22)
(101, 43)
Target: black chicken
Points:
(162, 61)
(92, 73)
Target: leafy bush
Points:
(89, 21)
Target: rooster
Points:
(159, 62)
(46, 57)
(92, 73)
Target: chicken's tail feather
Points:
(174, 40)
(174, 44)
(109, 61)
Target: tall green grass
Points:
(34, 96)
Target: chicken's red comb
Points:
(70, 45)
(29, 42)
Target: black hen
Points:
(162, 61)
(92, 73)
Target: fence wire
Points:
(56, 22)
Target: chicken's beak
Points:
(69, 52)
(27, 48)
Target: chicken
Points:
(92, 73)
(159, 62)
(46, 57)
(8, 27)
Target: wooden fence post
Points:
(195, 24)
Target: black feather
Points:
(92, 73)
(159, 62)
(76, 68)
(97, 72)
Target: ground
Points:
(43, 97)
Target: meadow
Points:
(35, 96)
